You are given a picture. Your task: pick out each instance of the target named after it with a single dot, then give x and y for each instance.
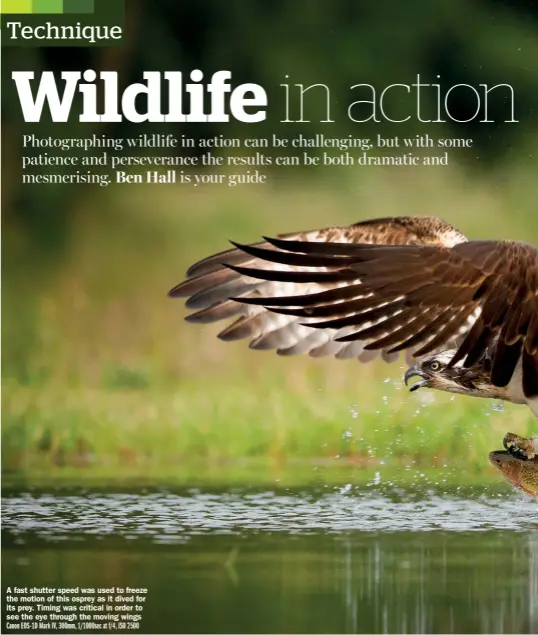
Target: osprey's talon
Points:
(520, 447)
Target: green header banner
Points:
(62, 22)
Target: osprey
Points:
(465, 310)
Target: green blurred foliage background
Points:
(100, 371)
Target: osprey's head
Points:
(434, 372)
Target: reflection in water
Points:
(533, 580)
(295, 562)
(442, 585)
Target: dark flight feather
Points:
(392, 284)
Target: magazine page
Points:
(270, 316)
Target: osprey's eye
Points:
(435, 366)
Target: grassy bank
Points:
(100, 371)
(152, 427)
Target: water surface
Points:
(347, 559)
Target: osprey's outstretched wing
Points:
(420, 297)
(292, 279)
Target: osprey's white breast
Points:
(514, 390)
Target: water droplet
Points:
(354, 410)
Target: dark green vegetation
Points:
(378, 43)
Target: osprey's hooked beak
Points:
(415, 371)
